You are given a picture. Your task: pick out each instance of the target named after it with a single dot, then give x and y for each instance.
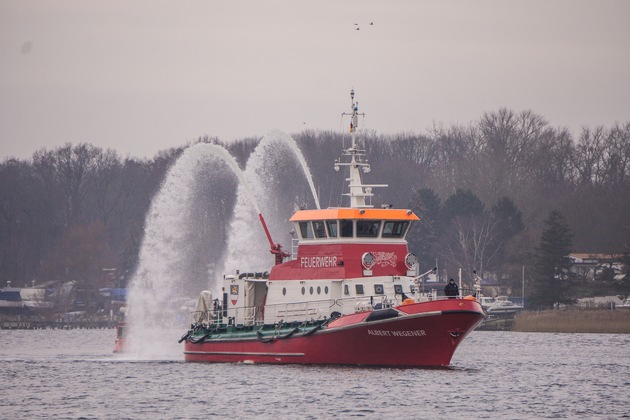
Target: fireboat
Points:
(351, 294)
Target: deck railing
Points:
(312, 310)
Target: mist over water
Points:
(200, 226)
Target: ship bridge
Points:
(343, 243)
(348, 224)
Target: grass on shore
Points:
(574, 321)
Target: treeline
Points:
(483, 192)
(491, 193)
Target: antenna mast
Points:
(358, 190)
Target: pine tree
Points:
(463, 203)
(552, 275)
(509, 218)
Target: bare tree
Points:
(617, 155)
(475, 243)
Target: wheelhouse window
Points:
(347, 228)
(359, 289)
(318, 227)
(368, 228)
(306, 230)
(395, 229)
(332, 228)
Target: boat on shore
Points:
(625, 305)
(351, 295)
(500, 305)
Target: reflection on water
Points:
(503, 375)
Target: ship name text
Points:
(408, 333)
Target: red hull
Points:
(427, 335)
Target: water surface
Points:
(502, 375)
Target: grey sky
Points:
(145, 75)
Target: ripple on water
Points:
(493, 375)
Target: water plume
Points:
(191, 219)
(178, 243)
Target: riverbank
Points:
(54, 325)
(574, 321)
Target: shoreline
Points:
(602, 321)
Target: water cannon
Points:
(275, 249)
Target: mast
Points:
(358, 190)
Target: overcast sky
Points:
(140, 76)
